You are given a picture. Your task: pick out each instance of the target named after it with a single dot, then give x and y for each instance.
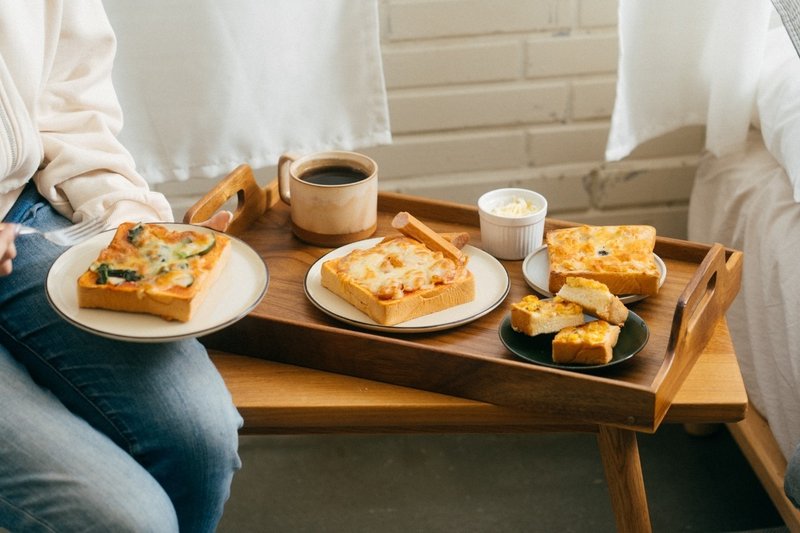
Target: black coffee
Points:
(333, 175)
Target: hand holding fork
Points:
(68, 236)
(63, 237)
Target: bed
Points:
(745, 201)
(748, 199)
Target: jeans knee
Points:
(208, 434)
(197, 460)
(197, 425)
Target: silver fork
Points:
(67, 236)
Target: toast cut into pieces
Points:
(148, 268)
(621, 257)
(398, 279)
(591, 343)
(533, 316)
(595, 298)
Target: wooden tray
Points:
(470, 361)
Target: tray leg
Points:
(620, 454)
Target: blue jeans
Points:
(98, 434)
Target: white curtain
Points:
(206, 84)
(687, 62)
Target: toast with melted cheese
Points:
(533, 316)
(148, 268)
(591, 343)
(398, 279)
(595, 298)
(621, 257)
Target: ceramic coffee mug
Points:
(333, 196)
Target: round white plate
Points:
(491, 282)
(240, 287)
(536, 271)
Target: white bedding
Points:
(745, 200)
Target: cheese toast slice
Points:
(398, 279)
(621, 257)
(149, 268)
(533, 316)
(595, 298)
(591, 343)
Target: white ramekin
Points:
(511, 237)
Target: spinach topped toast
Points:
(149, 268)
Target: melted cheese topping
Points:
(393, 268)
(603, 249)
(152, 256)
(548, 308)
(589, 333)
(586, 283)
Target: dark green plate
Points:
(632, 338)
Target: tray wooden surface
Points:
(470, 361)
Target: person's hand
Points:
(7, 249)
(219, 221)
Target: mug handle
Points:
(284, 163)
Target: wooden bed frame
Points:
(758, 445)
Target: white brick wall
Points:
(514, 93)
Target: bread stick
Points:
(459, 239)
(409, 226)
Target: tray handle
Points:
(704, 301)
(252, 200)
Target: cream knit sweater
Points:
(59, 114)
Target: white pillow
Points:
(778, 103)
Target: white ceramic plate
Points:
(491, 282)
(536, 271)
(240, 287)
